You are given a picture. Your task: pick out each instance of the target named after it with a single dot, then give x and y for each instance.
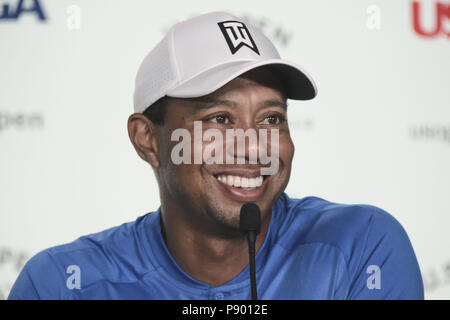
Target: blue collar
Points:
(164, 263)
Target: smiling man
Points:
(211, 120)
(200, 203)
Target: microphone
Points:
(250, 225)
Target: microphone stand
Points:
(251, 238)
(250, 225)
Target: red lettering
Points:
(442, 12)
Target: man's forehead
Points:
(212, 102)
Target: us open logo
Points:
(237, 35)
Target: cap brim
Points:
(298, 84)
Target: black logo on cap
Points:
(237, 36)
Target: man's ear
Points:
(143, 136)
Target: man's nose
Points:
(243, 145)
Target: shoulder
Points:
(353, 229)
(366, 236)
(102, 256)
(336, 223)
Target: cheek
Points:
(181, 158)
(286, 149)
(164, 147)
(183, 181)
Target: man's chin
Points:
(227, 211)
(226, 201)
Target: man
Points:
(209, 79)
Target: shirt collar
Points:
(164, 263)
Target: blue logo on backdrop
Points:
(9, 11)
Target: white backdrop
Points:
(377, 133)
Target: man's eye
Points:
(273, 119)
(220, 119)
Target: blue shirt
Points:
(314, 249)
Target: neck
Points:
(211, 259)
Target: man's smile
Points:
(242, 185)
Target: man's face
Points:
(210, 192)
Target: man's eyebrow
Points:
(275, 103)
(202, 105)
(213, 103)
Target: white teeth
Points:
(242, 182)
(259, 182)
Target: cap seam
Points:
(173, 58)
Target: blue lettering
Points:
(34, 7)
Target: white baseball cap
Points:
(200, 55)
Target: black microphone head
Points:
(250, 219)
